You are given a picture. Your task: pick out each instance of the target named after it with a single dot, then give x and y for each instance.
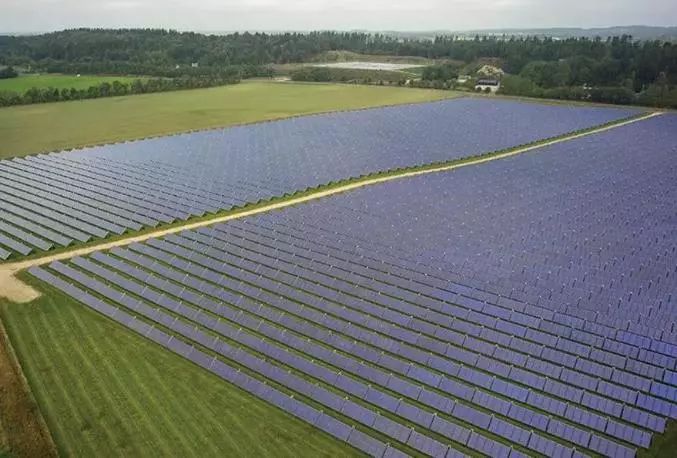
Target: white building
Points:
(484, 84)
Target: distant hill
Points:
(640, 32)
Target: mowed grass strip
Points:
(105, 391)
(23, 83)
(54, 126)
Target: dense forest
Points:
(619, 69)
(7, 73)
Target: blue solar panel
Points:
(365, 443)
(403, 387)
(491, 402)
(359, 413)
(52, 224)
(548, 447)
(415, 415)
(509, 431)
(333, 281)
(25, 236)
(472, 416)
(52, 211)
(528, 417)
(150, 177)
(15, 245)
(391, 428)
(427, 445)
(628, 434)
(332, 426)
(74, 208)
(35, 228)
(602, 404)
(487, 446)
(570, 433)
(610, 448)
(72, 193)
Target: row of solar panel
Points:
(405, 269)
(461, 339)
(355, 411)
(36, 209)
(582, 340)
(272, 372)
(179, 182)
(524, 234)
(84, 210)
(418, 374)
(405, 318)
(110, 277)
(629, 412)
(97, 193)
(536, 298)
(289, 404)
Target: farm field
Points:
(23, 83)
(357, 65)
(55, 126)
(139, 400)
(56, 200)
(387, 309)
(348, 56)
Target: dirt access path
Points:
(17, 291)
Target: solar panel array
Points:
(352, 313)
(586, 227)
(55, 199)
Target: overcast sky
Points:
(227, 15)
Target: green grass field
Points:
(34, 128)
(3, 441)
(24, 82)
(107, 392)
(348, 56)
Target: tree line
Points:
(592, 61)
(348, 75)
(636, 69)
(115, 88)
(7, 73)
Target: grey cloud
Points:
(224, 15)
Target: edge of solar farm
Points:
(112, 277)
(32, 239)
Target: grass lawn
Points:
(46, 127)
(348, 56)
(4, 447)
(24, 82)
(105, 391)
